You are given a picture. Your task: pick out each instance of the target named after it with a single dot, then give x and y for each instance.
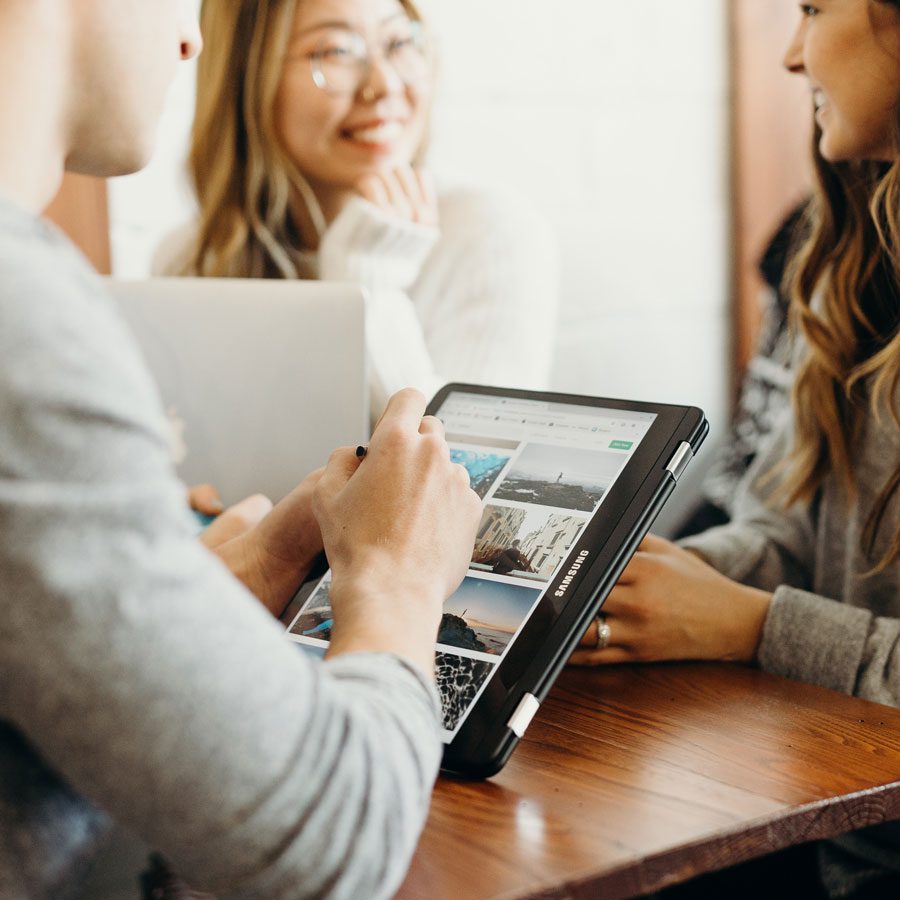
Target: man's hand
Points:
(204, 498)
(670, 604)
(270, 549)
(398, 527)
(235, 521)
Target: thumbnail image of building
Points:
(499, 528)
(547, 547)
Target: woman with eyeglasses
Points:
(310, 132)
(805, 582)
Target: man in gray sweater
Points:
(140, 680)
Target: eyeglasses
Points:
(342, 60)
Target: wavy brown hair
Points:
(244, 179)
(845, 295)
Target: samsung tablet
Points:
(569, 486)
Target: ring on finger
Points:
(603, 632)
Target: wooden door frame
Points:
(771, 122)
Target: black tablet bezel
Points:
(484, 741)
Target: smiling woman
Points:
(849, 50)
(308, 149)
(352, 107)
(805, 581)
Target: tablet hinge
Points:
(523, 715)
(680, 459)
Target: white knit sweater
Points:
(475, 300)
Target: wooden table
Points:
(632, 778)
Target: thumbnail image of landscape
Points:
(523, 541)
(458, 679)
(483, 467)
(484, 615)
(316, 618)
(565, 477)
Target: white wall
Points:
(612, 117)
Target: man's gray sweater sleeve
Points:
(139, 669)
(830, 623)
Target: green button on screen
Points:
(622, 445)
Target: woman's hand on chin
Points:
(406, 192)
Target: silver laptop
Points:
(261, 379)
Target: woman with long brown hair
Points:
(805, 582)
(310, 131)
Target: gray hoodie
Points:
(138, 679)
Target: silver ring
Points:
(603, 633)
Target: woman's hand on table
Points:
(670, 604)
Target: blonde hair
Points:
(244, 179)
(845, 295)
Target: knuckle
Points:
(393, 435)
(638, 563)
(641, 613)
(409, 393)
(474, 502)
(322, 504)
(436, 447)
(337, 455)
(434, 423)
(462, 473)
(320, 490)
(259, 503)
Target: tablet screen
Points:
(542, 470)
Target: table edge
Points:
(818, 820)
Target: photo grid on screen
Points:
(540, 484)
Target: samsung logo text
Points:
(573, 571)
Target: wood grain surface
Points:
(633, 778)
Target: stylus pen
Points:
(361, 451)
